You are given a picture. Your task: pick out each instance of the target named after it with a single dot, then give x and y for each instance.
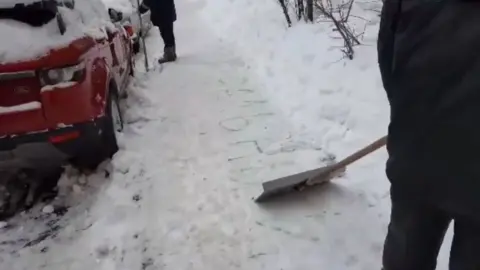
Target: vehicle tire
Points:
(107, 145)
(131, 67)
(113, 124)
(13, 193)
(136, 46)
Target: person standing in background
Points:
(163, 15)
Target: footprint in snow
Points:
(147, 263)
(136, 197)
(102, 251)
(234, 124)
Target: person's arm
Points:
(386, 38)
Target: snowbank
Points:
(333, 100)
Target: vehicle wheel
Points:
(108, 145)
(113, 125)
(13, 193)
(131, 71)
(136, 46)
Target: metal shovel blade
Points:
(318, 176)
(297, 182)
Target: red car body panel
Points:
(105, 61)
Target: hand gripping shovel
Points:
(300, 181)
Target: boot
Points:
(169, 55)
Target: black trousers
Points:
(416, 233)
(166, 31)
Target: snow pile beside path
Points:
(54, 225)
(334, 100)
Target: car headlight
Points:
(74, 73)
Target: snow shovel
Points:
(300, 181)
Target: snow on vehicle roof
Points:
(11, 3)
(28, 42)
(90, 18)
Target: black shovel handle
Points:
(359, 154)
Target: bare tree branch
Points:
(340, 14)
(341, 24)
(285, 12)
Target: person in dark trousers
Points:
(163, 15)
(429, 60)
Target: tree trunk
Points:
(301, 9)
(285, 12)
(310, 10)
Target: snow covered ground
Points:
(247, 101)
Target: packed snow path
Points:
(200, 138)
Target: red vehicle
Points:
(65, 99)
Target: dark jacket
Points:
(429, 57)
(162, 11)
